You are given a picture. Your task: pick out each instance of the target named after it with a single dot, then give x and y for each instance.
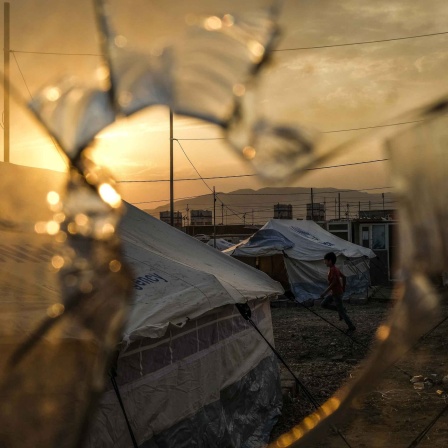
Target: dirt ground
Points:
(393, 414)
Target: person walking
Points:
(336, 286)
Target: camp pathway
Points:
(393, 413)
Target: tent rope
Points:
(246, 312)
(356, 341)
(113, 374)
(425, 431)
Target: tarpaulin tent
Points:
(191, 370)
(292, 252)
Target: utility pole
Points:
(359, 209)
(339, 205)
(222, 213)
(6, 50)
(214, 218)
(382, 194)
(335, 204)
(312, 205)
(188, 216)
(171, 171)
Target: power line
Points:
(166, 200)
(64, 160)
(187, 179)
(206, 138)
(55, 53)
(307, 193)
(21, 74)
(346, 164)
(214, 194)
(191, 163)
(247, 175)
(331, 131)
(365, 42)
(283, 194)
(372, 127)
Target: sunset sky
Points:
(326, 89)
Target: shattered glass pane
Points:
(418, 159)
(64, 295)
(61, 319)
(72, 113)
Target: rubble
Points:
(417, 379)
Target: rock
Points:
(417, 379)
(419, 385)
(435, 378)
(445, 380)
(428, 384)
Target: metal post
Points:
(6, 50)
(312, 205)
(214, 218)
(339, 205)
(171, 171)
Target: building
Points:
(315, 212)
(377, 233)
(166, 217)
(378, 214)
(201, 218)
(282, 211)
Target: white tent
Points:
(191, 370)
(292, 251)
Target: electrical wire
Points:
(55, 53)
(214, 193)
(365, 42)
(59, 151)
(320, 192)
(248, 175)
(314, 47)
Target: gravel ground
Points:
(323, 358)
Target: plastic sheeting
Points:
(309, 279)
(171, 285)
(310, 242)
(213, 382)
(304, 245)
